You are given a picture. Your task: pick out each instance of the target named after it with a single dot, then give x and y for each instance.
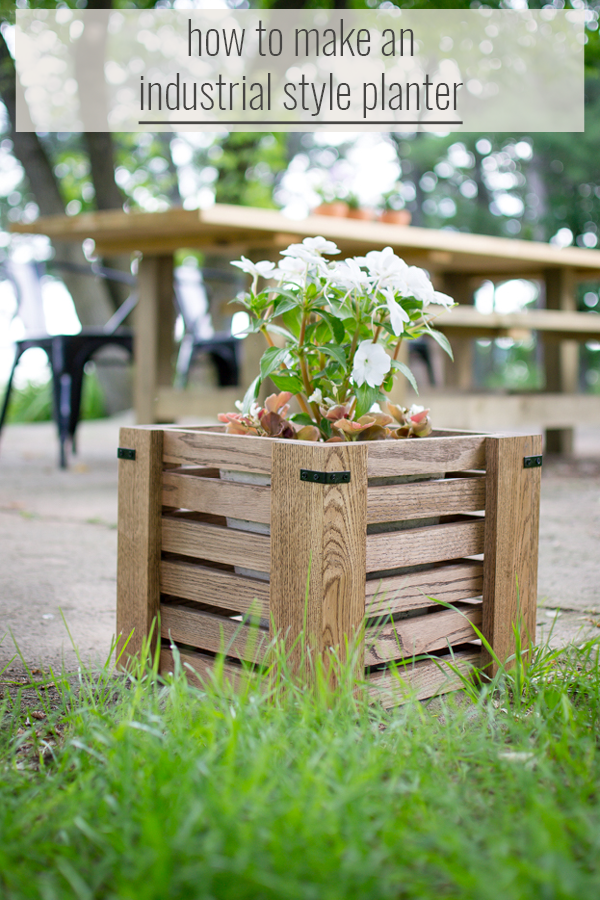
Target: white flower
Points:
(398, 315)
(299, 251)
(262, 269)
(443, 299)
(349, 275)
(415, 283)
(320, 245)
(383, 265)
(371, 364)
(316, 397)
(291, 270)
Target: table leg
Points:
(154, 346)
(561, 358)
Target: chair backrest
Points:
(26, 279)
(191, 300)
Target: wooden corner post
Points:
(138, 558)
(318, 547)
(510, 560)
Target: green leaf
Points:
(251, 395)
(277, 329)
(336, 327)
(406, 372)
(366, 396)
(291, 383)
(292, 319)
(302, 419)
(325, 427)
(283, 305)
(442, 340)
(336, 353)
(271, 360)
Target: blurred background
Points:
(542, 187)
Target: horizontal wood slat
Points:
(421, 680)
(394, 502)
(221, 498)
(214, 633)
(423, 456)
(450, 583)
(422, 634)
(216, 543)
(214, 587)
(198, 667)
(224, 451)
(415, 546)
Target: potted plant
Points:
(392, 209)
(341, 519)
(356, 211)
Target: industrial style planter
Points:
(377, 551)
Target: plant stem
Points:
(397, 349)
(301, 401)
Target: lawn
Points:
(140, 788)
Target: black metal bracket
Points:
(324, 477)
(532, 462)
(125, 453)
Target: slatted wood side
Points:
(415, 546)
(224, 451)
(221, 498)
(191, 581)
(138, 556)
(451, 583)
(422, 634)
(217, 634)
(511, 543)
(425, 455)
(198, 668)
(391, 503)
(422, 679)
(216, 543)
(318, 539)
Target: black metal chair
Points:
(67, 353)
(193, 303)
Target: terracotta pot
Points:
(395, 216)
(365, 214)
(337, 208)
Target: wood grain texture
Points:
(216, 543)
(215, 633)
(138, 555)
(198, 667)
(424, 679)
(222, 498)
(399, 593)
(391, 503)
(416, 546)
(154, 326)
(425, 455)
(318, 539)
(511, 543)
(223, 451)
(214, 587)
(421, 634)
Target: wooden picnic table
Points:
(457, 262)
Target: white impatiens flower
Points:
(262, 269)
(384, 266)
(398, 315)
(348, 274)
(291, 270)
(415, 283)
(320, 245)
(371, 364)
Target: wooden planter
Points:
(177, 555)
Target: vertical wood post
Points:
(458, 373)
(318, 549)
(510, 562)
(154, 323)
(138, 558)
(561, 358)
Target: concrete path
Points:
(58, 543)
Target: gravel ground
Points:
(58, 543)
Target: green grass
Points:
(137, 788)
(33, 402)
